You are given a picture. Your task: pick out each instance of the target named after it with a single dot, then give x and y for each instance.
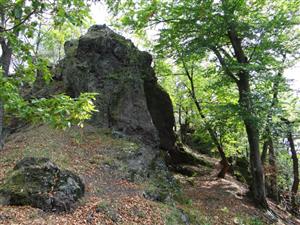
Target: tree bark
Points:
(271, 174)
(295, 186)
(1, 125)
(179, 120)
(272, 178)
(5, 61)
(245, 102)
(264, 151)
(256, 168)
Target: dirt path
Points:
(225, 201)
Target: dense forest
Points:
(208, 100)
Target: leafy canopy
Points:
(23, 26)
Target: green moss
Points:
(248, 220)
(14, 182)
(23, 185)
(179, 216)
(164, 189)
(195, 217)
(107, 209)
(173, 217)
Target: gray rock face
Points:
(161, 110)
(130, 100)
(40, 183)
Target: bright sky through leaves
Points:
(101, 16)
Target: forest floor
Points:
(110, 199)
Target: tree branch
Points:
(2, 29)
(223, 64)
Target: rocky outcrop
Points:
(130, 100)
(40, 183)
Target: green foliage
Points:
(214, 45)
(60, 111)
(217, 97)
(284, 168)
(199, 30)
(28, 31)
(52, 39)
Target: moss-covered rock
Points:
(40, 183)
(161, 185)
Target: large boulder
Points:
(40, 183)
(130, 100)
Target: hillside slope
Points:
(113, 197)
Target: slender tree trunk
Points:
(295, 186)
(271, 178)
(242, 81)
(4, 63)
(212, 133)
(1, 65)
(1, 125)
(264, 151)
(273, 173)
(179, 120)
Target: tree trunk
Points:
(272, 178)
(245, 102)
(212, 133)
(5, 61)
(295, 186)
(258, 180)
(1, 125)
(224, 162)
(271, 172)
(264, 151)
(179, 121)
